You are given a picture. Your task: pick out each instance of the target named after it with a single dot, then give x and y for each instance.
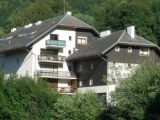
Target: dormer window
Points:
(117, 48)
(144, 51)
(129, 50)
(82, 40)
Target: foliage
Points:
(118, 14)
(78, 107)
(25, 98)
(137, 98)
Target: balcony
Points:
(51, 59)
(56, 74)
(55, 44)
(66, 90)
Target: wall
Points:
(86, 33)
(86, 74)
(19, 62)
(123, 56)
(63, 34)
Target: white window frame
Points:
(82, 40)
(130, 49)
(80, 67)
(92, 66)
(91, 82)
(144, 52)
(117, 48)
(80, 83)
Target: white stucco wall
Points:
(70, 45)
(28, 60)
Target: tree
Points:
(81, 106)
(118, 14)
(137, 97)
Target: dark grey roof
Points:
(24, 37)
(103, 45)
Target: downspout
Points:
(33, 72)
(107, 97)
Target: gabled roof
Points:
(103, 45)
(25, 37)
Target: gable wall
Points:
(86, 33)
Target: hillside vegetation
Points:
(102, 14)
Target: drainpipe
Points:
(107, 97)
(34, 62)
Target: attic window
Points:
(82, 40)
(144, 51)
(117, 48)
(129, 50)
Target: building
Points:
(40, 49)
(69, 53)
(112, 57)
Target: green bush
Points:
(137, 98)
(81, 106)
(24, 98)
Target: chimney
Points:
(13, 29)
(131, 31)
(69, 13)
(28, 26)
(38, 22)
(105, 33)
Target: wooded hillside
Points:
(102, 14)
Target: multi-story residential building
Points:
(112, 57)
(69, 53)
(40, 49)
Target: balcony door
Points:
(54, 36)
(49, 52)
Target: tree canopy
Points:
(137, 97)
(102, 14)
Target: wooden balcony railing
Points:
(66, 89)
(51, 58)
(56, 74)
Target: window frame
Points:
(91, 82)
(142, 52)
(92, 66)
(81, 40)
(130, 50)
(117, 48)
(80, 83)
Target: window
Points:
(144, 52)
(70, 38)
(91, 82)
(17, 60)
(70, 68)
(117, 48)
(80, 68)
(69, 52)
(82, 40)
(129, 50)
(80, 83)
(54, 36)
(92, 66)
